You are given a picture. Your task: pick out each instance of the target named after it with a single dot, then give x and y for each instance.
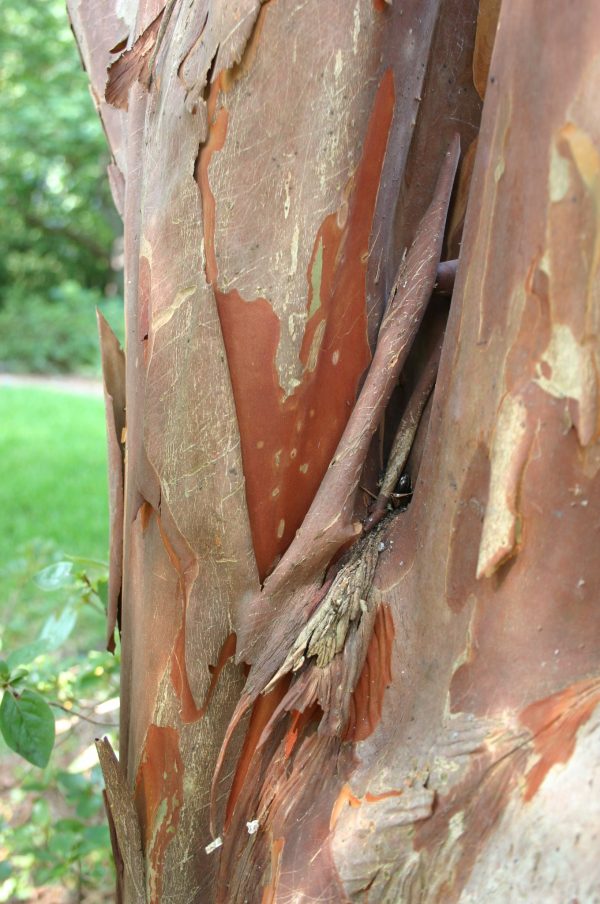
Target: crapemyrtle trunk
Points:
(325, 699)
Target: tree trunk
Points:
(324, 698)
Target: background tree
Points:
(406, 704)
(57, 221)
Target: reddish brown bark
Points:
(404, 705)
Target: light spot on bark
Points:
(587, 160)
(315, 346)
(315, 280)
(165, 315)
(303, 468)
(280, 529)
(337, 71)
(566, 371)
(559, 177)
(585, 154)
(356, 30)
(335, 357)
(501, 524)
(544, 264)
(294, 250)
(214, 845)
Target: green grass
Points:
(52, 489)
(53, 478)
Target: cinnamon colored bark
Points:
(406, 714)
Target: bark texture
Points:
(313, 709)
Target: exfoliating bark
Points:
(318, 701)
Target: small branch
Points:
(445, 276)
(405, 436)
(80, 715)
(77, 238)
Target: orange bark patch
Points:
(288, 442)
(299, 721)
(344, 798)
(487, 23)
(367, 700)
(373, 798)
(555, 722)
(217, 132)
(270, 890)
(159, 796)
(145, 514)
(262, 711)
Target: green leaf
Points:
(27, 723)
(94, 839)
(25, 655)
(4, 671)
(55, 576)
(57, 628)
(101, 590)
(55, 631)
(69, 825)
(29, 783)
(19, 675)
(95, 563)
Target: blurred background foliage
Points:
(59, 259)
(58, 225)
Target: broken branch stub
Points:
(124, 817)
(325, 633)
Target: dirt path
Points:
(71, 383)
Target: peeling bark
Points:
(113, 372)
(383, 700)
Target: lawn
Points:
(53, 499)
(53, 495)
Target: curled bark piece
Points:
(124, 817)
(132, 66)
(113, 377)
(405, 436)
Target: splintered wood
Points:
(347, 599)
